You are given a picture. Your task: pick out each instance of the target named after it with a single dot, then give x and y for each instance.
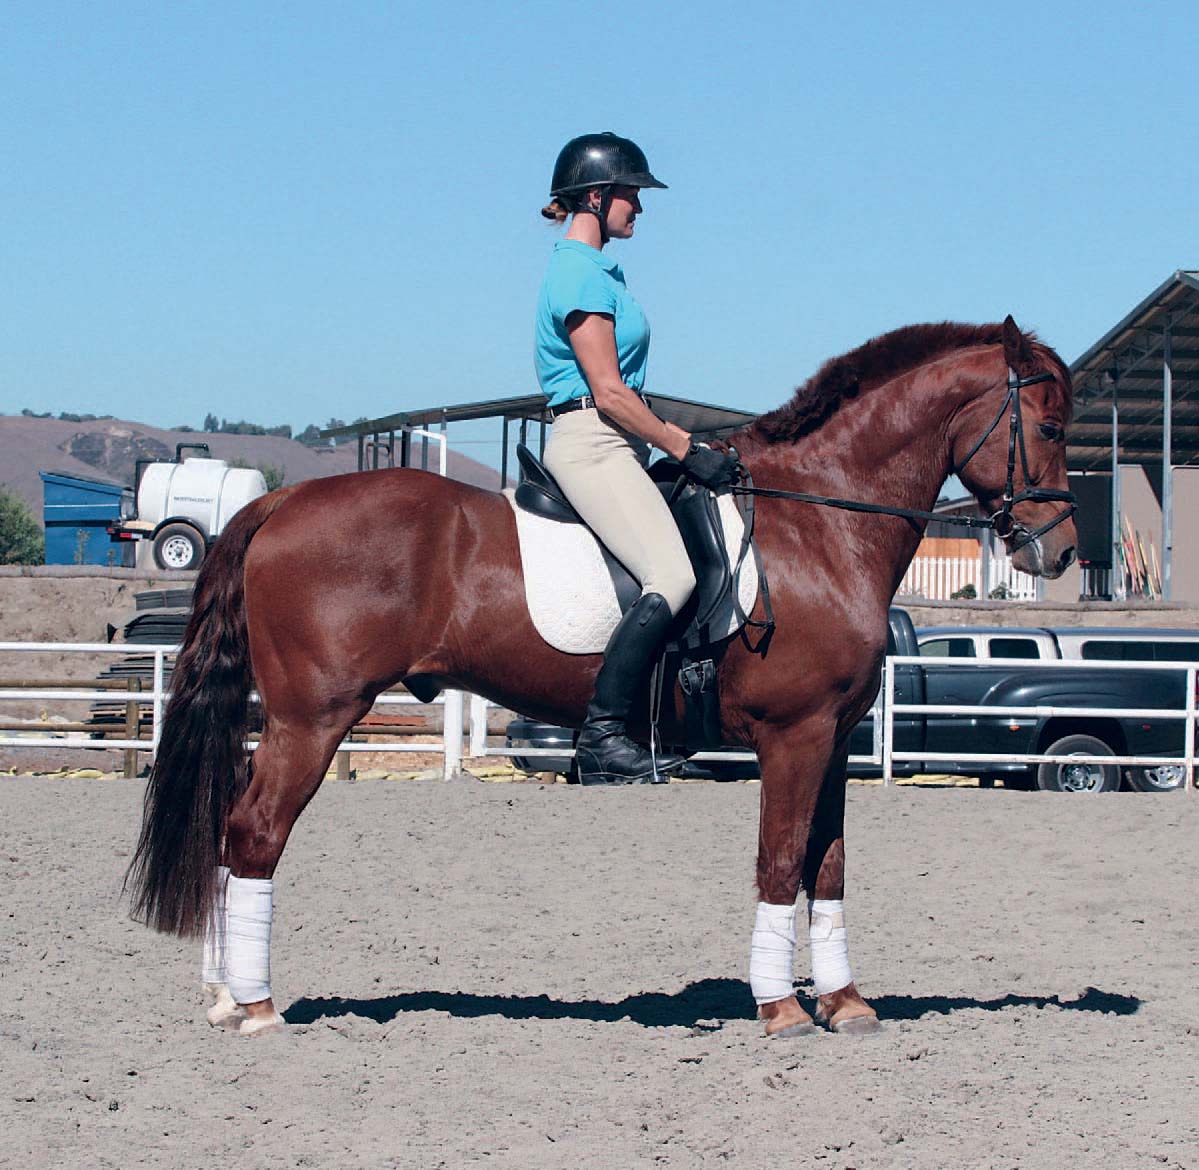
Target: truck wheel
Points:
(1163, 778)
(1078, 777)
(178, 547)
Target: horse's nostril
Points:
(1067, 558)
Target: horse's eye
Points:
(1052, 432)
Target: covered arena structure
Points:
(402, 439)
(1134, 452)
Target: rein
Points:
(1001, 522)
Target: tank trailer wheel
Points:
(178, 547)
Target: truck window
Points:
(948, 648)
(1114, 651)
(1014, 648)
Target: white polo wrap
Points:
(212, 965)
(249, 903)
(772, 953)
(830, 945)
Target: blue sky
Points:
(284, 212)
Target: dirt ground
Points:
(528, 976)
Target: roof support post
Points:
(1167, 463)
(504, 457)
(1119, 593)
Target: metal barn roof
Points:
(1127, 367)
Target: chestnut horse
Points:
(286, 600)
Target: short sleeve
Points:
(579, 285)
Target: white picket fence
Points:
(939, 578)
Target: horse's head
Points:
(1009, 446)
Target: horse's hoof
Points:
(801, 1029)
(858, 1026)
(261, 1025)
(786, 1009)
(224, 1013)
(847, 1013)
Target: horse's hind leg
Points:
(289, 766)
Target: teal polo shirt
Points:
(582, 278)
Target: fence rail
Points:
(156, 697)
(891, 709)
(884, 713)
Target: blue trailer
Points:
(76, 512)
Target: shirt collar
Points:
(593, 254)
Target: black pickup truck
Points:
(1014, 684)
(1022, 684)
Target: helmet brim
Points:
(640, 179)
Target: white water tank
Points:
(207, 492)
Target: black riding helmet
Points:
(599, 160)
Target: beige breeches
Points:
(601, 468)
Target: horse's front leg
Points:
(793, 762)
(800, 843)
(839, 1005)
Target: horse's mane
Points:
(877, 361)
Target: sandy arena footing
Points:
(543, 976)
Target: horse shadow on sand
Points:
(706, 1004)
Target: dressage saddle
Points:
(695, 512)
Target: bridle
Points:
(1002, 522)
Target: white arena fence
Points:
(939, 578)
(884, 712)
(480, 747)
(50, 735)
(891, 709)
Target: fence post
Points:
(1189, 741)
(156, 710)
(478, 726)
(133, 716)
(888, 719)
(452, 733)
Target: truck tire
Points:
(1078, 777)
(1164, 778)
(178, 547)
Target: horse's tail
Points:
(201, 766)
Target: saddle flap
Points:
(698, 519)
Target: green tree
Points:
(212, 424)
(21, 540)
(274, 476)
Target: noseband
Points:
(1002, 521)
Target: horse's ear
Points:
(1016, 349)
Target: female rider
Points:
(592, 343)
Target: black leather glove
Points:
(712, 469)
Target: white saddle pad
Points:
(569, 590)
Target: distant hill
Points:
(108, 448)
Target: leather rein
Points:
(1002, 521)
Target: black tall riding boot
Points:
(604, 753)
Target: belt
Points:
(586, 402)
